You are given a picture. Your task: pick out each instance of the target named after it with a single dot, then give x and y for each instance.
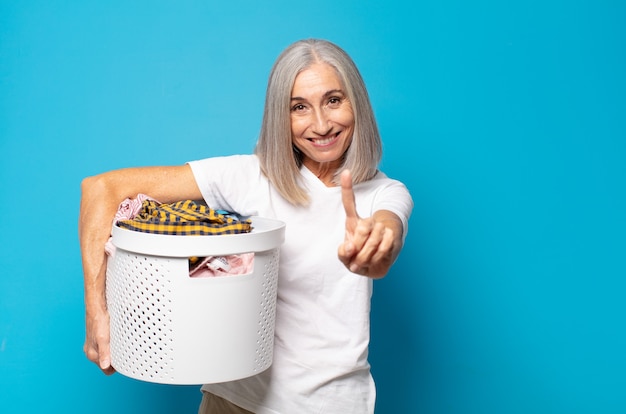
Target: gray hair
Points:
(279, 159)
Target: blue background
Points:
(506, 120)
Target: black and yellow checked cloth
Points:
(186, 218)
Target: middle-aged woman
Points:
(315, 168)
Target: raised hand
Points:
(371, 244)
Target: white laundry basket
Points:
(170, 328)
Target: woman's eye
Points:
(334, 101)
(297, 107)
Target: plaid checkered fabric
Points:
(184, 218)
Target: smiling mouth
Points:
(324, 141)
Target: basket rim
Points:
(266, 234)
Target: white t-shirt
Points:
(323, 310)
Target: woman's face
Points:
(322, 120)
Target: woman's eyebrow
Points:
(326, 94)
(333, 92)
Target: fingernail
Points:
(354, 268)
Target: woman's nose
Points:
(321, 124)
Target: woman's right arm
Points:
(100, 198)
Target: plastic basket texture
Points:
(169, 328)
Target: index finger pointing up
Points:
(347, 194)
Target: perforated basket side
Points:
(169, 328)
(138, 296)
(265, 342)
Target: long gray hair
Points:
(280, 161)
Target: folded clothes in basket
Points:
(185, 218)
(145, 214)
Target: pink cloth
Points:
(236, 264)
(127, 210)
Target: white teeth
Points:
(325, 140)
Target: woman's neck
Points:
(325, 172)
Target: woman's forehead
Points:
(319, 77)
